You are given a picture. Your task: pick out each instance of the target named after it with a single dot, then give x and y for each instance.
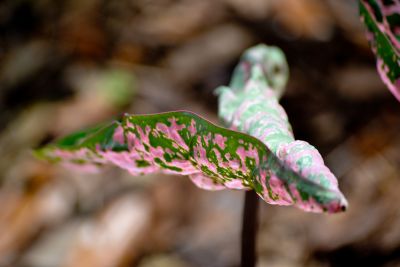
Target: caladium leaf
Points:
(254, 109)
(262, 155)
(173, 142)
(184, 143)
(382, 20)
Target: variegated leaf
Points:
(254, 109)
(267, 159)
(184, 143)
(382, 20)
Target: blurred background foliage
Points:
(69, 64)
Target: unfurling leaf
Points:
(254, 109)
(382, 20)
(262, 155)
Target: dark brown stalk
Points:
(249, 229)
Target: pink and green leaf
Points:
(258, 152)
(184, 143)
(382, 20)
(253, 108)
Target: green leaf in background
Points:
(118, 85)
(382, 20)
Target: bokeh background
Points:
(69, 64)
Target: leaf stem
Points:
(249, 229)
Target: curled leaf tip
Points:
(272, 63)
